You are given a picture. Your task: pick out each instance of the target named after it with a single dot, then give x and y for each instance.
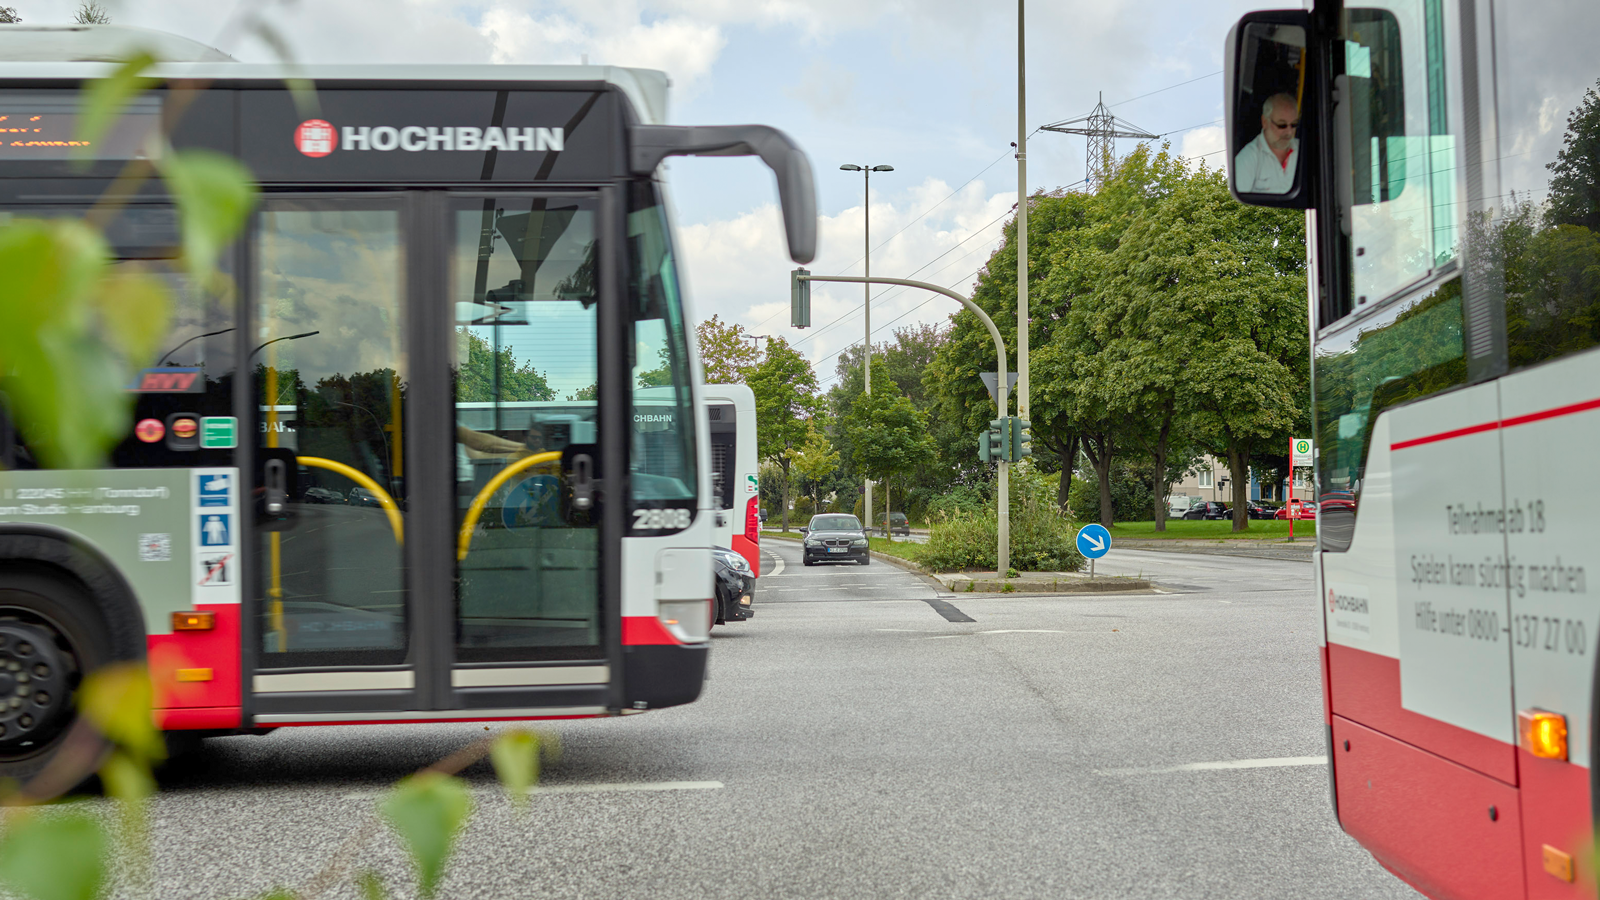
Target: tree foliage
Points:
(785, 389)
(477, 380)
(727, 352)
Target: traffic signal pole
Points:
(1003, 507)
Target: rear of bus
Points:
(735, 479)
(1448, 155)
(438, 458)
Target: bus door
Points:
(524, 292)
(333, 590)
(374, 432)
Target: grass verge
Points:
(1180, 529)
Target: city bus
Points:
(437, 460)
(735, 480)
(1446, 153)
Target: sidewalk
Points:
(1037, 582)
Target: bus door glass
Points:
(524, 282)
(331, 377)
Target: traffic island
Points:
(1038, 583)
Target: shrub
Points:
(1131, 500)
(1041, 536)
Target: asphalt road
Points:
(855, 742)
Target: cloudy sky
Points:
(928, 86)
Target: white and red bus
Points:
(439, 460)
(735, 476)
(1448, 155)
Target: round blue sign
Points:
(1094, 541)
(534, 503)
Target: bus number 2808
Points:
(660, 519)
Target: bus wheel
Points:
(50, 635)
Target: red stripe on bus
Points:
(216, 650)
(404, 721)
(1365, 687)
(645, 630)
(1444, 435)
(1512, 422)
(198, 719)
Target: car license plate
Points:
(837, 549)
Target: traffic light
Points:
(1005, 437)
(1021, 440)
(991, 447)
(799, 299)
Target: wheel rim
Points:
(39, 674)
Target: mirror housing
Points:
(1239, 63)
(797, 193)
(805, 531)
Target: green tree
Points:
(888, 436)
(727, 352)
(1575, 173)
(8, 15)
(785, 388)
(90, 12)
(476, 380)
(815, 460)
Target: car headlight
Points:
(859, 542)
(813, 542)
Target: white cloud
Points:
(827, 89)
(684, 49)
(1205, 143)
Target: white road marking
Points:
(618, 787)
(776, 571)
(1269, 763)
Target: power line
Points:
(1167, 88)
(919, 218)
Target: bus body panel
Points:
(736, 484)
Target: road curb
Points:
(1251, 549)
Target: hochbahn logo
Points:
(318, 138)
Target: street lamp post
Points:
(866, 261)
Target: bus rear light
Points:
(1544, 734)
(687, 620)
(752, 521)
(193, 621)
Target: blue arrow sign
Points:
(1094, 541)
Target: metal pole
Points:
(866, 306)
(1003, 508)
(1022, 220)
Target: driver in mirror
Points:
(1267, 164)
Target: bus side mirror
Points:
(797, 193)
(1271, 88)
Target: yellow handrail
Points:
(464, 536)
(391, 508)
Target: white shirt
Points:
(1256, 169)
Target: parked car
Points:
(322, 495)
(360, 496)
(1262, 511)
(1208, 509)
(1177, 506)
(1298, 509)
(835, 537)
(898, 524)
(735, 586)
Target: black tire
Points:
(866, 560)
(807, 561)
(56, 612)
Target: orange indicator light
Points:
(193, 621)
(1544, 734)
(1557, 863)
(194, 674)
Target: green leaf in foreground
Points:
(54, 855)
(65, 388)
(427, 811)
(516, 761)
(116, 699)
(215, 194)
(105, 98)
(371, 886)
